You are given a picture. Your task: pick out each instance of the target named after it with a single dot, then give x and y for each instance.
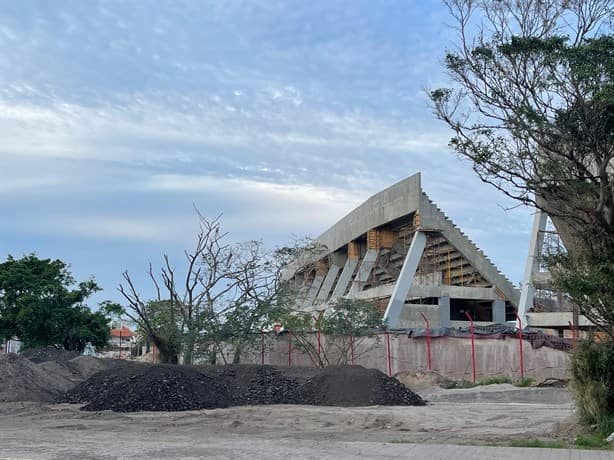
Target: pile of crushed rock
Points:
(146, 387)
(54, 375)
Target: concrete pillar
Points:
(344, 278)
(444, 311)
(405, 280)
(535, 246)
(498, 311)
(327, 284)
(313, 290)
(366, 265)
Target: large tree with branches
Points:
(224, 294)
(533, 110)
(534, 106)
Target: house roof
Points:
(123, 332)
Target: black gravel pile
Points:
(269, 386)
(45, 354)
(143, 387)
(357, 386)
(130, 387)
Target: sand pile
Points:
(22, 380)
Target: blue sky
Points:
(117, 117)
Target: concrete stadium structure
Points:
(401, 251)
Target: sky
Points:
(117, 118)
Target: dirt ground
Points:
(481, 415)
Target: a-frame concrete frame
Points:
(399, 204)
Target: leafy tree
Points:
(534, 110)
(534, 113)
(41, 303)
(344, 325)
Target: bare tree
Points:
(224, 291)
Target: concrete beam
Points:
(405, 280)
(420, 291)
(364, 271)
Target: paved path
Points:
(253, 448)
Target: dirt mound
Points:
(22, 380)
(143, 387)
(44, 354)
(420, 380)
(357, 386)
(86, 366)
(62, 373)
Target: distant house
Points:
(121, 342)
(11, 346)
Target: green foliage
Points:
(591, 441)
(42, 304)
(456, 384)
(494, 380)
(524, 382)
(588, 280)
(592, 383)
(538, 443)
(344, 325)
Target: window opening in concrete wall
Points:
(480, 310)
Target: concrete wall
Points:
(450, 356)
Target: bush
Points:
(592, 370)
(524, 382)
(495, 380)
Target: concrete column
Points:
(327, 284)
(498, 311)
(344, 278)
(366, 265)
(405, 280)
(444, 311)
(535, 246)
(313, 290)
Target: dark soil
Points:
(357, 386)
(145, 387)
(257, 385)
(44, 354)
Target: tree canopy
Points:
(534, 106)
(533, 110)
(41, 303)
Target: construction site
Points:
(462, 362)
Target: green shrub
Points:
(524, 382)
(591, 441)
(538, 443)
(592, 370)
(495, 380)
